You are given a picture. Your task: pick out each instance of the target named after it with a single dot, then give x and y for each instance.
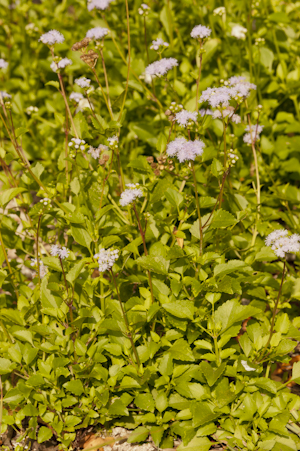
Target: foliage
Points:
(155, 344)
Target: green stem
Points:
(170, 22)
(103, 93)
(253, 141)
(198, 207)
(249, 26)
(199, 77)
(37, 249)
(129, 60)
(70, 302)
(8, 264)
(145, 38)
(106, 79)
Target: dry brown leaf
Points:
(96, 443)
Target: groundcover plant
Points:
(149, 217)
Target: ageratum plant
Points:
(149, 218)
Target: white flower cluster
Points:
(98, 4)
(3, 64)
(160, 67)
(95, 152)
(106, 258)
(4, 95)
(113, 142)
(185, 150)
(232, 157)
(239, 32)
(200, 32)
(76, 96)
(253, 135)
(185, 117)
(219, 11)
(64, 62)
(238, 89)
(97, 33)
(144, 9)
(158, 43)
(78, 143)
(131, 194)
(52, 37)
(43, 268)
(205, 111)
(31, 109)
(83, 82)
(46, 201)
(230, 113)
(61, 252)
(283, 244)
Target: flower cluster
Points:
(113, 142)
(98, 4)
(205, 111)
(106, 258)
(200, 32)
(235, 118)
(76, 96)
(253, 135)
(61, 252)
(52, 37)
(43, 268)
(97, 33)
(159, 68)
(83, 82)
(64, 62)
(143, 10)
(78, 143)
(232, 157)
(46, 201)
(131, 194)
(157, 43)
(185, 150)
(238, 88)
(239, 32)
(3, 64)
(96, 152)
(219, 11)
(31, 109)
(283, 244)
(186, 118)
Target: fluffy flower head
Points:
(96, 152)
(200, 32)
(76, 96)
(61, 64)
(282, 244)
(43, 268)
(83, 82)
(158, 43)
(185, 150)
(3, 64)
(57, 251)
(239, 32)
(98, 4)
(52, 37)
(184, 116)
(160, 67)
(97, 33)
(106, 258)
(253, 135)
(132, 193)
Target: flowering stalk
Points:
(8, 264)
(106, 79)
(37, 249)
(129, 60)
(145, 248)
(198, 207)
(199, 75)
(103, 93)
(253, 141)
(145, 37)
(63, 92)
(126, 320)
(274, 313)
(70, 301)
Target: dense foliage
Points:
(149, 335)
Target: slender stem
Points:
(249, 25)
(275, 310)
(103, 93)
(253, 141)
(198, 207)
(66, 103)
(217, 350)
(105, 179)
(145, 37)
(37, 249)
(106, 79)
(8, 264)
(220, 193)
(67, 148)
(1, 403)
(170, 23)
(145, 248)
(70, 302)
(199, 76)
(225, 161)
(126, 320)
(129, 60)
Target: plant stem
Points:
(70, 302)
(66, 103)
(129, 60)
(37, 249)
(199, 76)
(198, 207)
(126, 320)
(275, 310)
(170, 22)
(103, 93)
(106, 79)
(145, 248)
(145, 37)
(8, 264)
(221, 191)
(253, 141)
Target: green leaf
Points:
(229, 267)
(81, 126)
(296, 372)
(232, 312)
(117, 408)
(174, 197)
(44, 434)
(75, 387)
(196, 444)
(6, 366)
(154, 264)
(145, 401)
(181, 351)
(23, 335)
(73, 274)
(161, 401)
(264, 383)
(81, 235)
(180, 309)
(55, 84)
(7, 195)
(140, 434)
(140, 164)
(202, 413)
(222, 219)
(161, 143)
(212, 374)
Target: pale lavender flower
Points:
(205, 111)
(239, 32)
(64, 62)
(144, 9)
(185, 150)
(158, 43)
(43, 268)
(3, 64)
(200, 32)
(283, 244)
(106, 258)
(160, 67)
(83, 82)
(184, 116)
(98, 4)
(52, 37)
(236, 118)
(253, 135)
(63, 253)
(95, 152)
(131, 194)
(76, 96)
(55, 250)
(97, 33)
(217, 96)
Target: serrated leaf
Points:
(75, 387)
(229, 267)
(81, 235)
(7, 195)
(140, 434)
(181, 351)
(232, 312)
(222, 219)
(180, 309)
(202, 413)
(154, 264)
(212, 374)
(44, 434)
